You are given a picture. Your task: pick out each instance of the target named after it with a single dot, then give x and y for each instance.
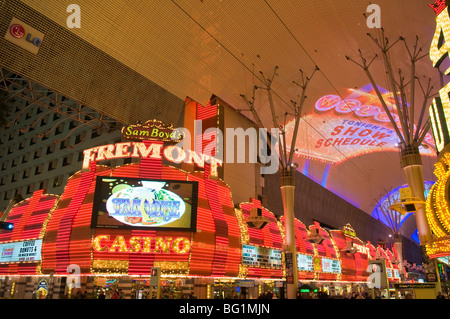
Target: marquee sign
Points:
(152, 130)
(305, 262)
(21, 251)
(354, 125)
(331, 265)
(256, 256)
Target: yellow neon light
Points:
(437, 51)
(436, 127)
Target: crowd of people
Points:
(111, 294)
(114, 293)
(268, 295)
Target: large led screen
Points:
(123, 202)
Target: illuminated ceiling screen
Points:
(342, 128)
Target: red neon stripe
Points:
(205, 112)
(202, 251)
(221, 251)
(149, 168)
(21, 223)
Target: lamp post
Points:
(287, 168)
(409, 134)
(411, 164)
(287, 185)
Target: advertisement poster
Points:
(317, 264)
(121, 202)
(21, 251)
(289, 268)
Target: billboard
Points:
(21, 251)
(124, 202)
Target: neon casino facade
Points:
(107, 229)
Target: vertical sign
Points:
(289, 268)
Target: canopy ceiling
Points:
(197, 48)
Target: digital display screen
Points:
(123, 202)
(305, 262)
(353, 125)
(21, 251)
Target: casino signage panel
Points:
(439, 49)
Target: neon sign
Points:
(144, 245)
(152, 130)
(149, 203)
(155, 150)
(362, 249)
